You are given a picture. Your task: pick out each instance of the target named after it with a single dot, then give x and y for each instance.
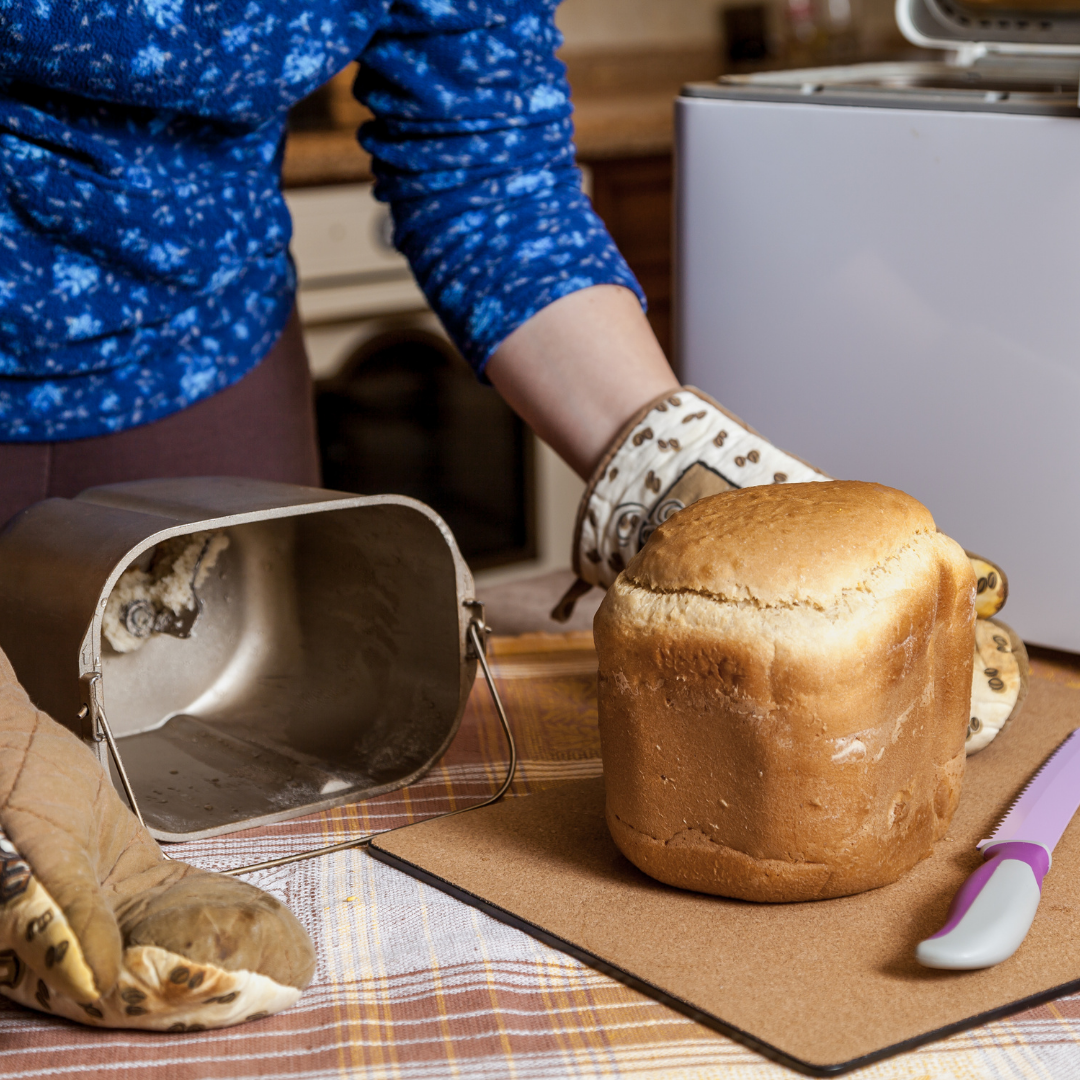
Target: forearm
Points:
(477, 162)
(579, 369)
(478, 165)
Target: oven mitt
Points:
(684, 446)
(97, 925)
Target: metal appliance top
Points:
(1032, 85)
(981, 27)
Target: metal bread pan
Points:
(324, 660)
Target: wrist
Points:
(578, 368)
(678, 448)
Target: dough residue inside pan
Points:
(177, 568)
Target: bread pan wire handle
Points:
(103, 733)
(477, 633)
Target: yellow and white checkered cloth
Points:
(412, 985)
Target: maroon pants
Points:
(262, 427)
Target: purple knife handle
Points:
(993, 910)
(1033, 854)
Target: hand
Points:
(97, 925)
(675, 450)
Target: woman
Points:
(146, 329)
(145, 285)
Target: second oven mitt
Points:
(97, 925)
(684, 446)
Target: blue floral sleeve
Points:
(473, 149)
(143, 234)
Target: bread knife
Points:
(994, 909)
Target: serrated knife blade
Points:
(994, 909)
(1047, 804)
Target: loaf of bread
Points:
(784, 685)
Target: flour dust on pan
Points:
(258, 650)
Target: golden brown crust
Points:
(784, 696)
(831, 535)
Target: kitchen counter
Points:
(324, 157)
(623, 107)
(624, 125)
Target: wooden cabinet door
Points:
(633, 196)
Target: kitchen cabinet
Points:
(633, 196)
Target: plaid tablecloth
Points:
(414, 985)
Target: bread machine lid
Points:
(978, 27)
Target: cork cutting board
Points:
(824, 986)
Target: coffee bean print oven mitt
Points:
(97, 925)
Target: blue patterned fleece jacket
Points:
(143, 237)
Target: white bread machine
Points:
(879, 268)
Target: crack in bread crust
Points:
(748, 600)
(715, 868)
